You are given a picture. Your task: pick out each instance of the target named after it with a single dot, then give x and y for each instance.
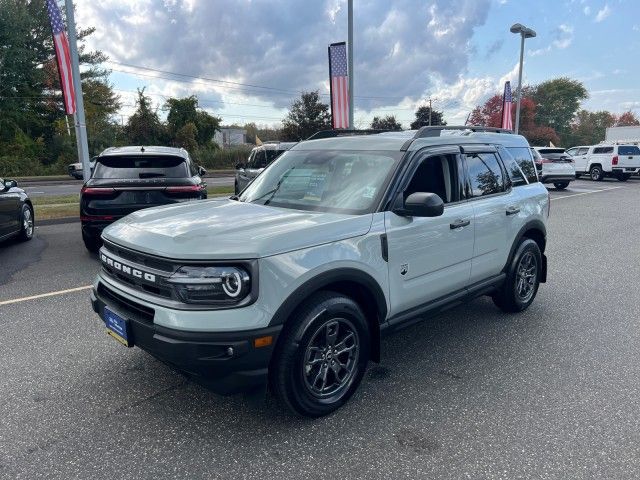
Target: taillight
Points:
(185, 189)
(614, 160)
(96, 191)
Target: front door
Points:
(430, 257)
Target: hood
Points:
(227, 229)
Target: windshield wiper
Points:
(273, 191)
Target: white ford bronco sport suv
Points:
(342, 239)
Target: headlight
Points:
(211, 285)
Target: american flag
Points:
(339, 79)
(61, 43)
(507, 101)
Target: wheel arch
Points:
(536, 231)
(353, 283)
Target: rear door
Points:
(495, 207)
(123, 184)
(628, 157)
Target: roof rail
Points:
(344, 133)
(434, 131)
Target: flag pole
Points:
(350, 55)
(79, 120)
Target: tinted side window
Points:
(602, 150)
(628, 150)
(582, 151)
(513, 169)
(525, 161)
(485, 174)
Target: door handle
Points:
(459, 224)
(513, 210)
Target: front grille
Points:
(161, 269)
(141, 312)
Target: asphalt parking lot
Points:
(553, 392)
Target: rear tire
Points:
(91, 243)
(561, 185)
(27, 224)
(523, 278)
(596, 173)
(321, 355)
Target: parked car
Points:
(613, 160)
(555, 166)
(16, 212)
(259, 158)
(75, 169)
(127, 179)
(339, 241)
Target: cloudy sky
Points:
(247, 60)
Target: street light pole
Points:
(524, 33)
(350, 60)
(519, 83)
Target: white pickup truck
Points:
(606, 160)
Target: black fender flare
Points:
(295, 299)
(539, 226)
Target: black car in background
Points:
(258, 160)
(16, 212)
(126, 179)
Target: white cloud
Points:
(602, 14)
(587, 10)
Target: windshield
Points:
(324, 180)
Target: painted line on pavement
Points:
(44, 295)
(585, 193)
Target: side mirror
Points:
(422, 204)
(201, 171)
(10, 184)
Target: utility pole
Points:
(430, 109)
(79, 120)
(350, 55)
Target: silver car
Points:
(259, 158)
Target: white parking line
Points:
(43, 295)
(585, 193)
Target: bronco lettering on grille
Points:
(127, 269)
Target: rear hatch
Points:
(555, 160)
(628, 156)
(123, 184)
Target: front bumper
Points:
(225, 362)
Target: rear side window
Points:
(525, 161)
(485, 174)
(628, 150)
(602, 150)
(259, 159)
(513, 169)
(583, 151)
(140, 166)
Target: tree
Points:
(387, 123)
(557, 101)
(144, 126)
(422, 118)
(183, 111)
(306, 116)
(627, 119)
(589, 128)
(489, 114)
(186, 137)
(206, 125)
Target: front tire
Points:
(523, 278)
(596, 173)
(322, 355)
(561, 185)
(27, 223)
